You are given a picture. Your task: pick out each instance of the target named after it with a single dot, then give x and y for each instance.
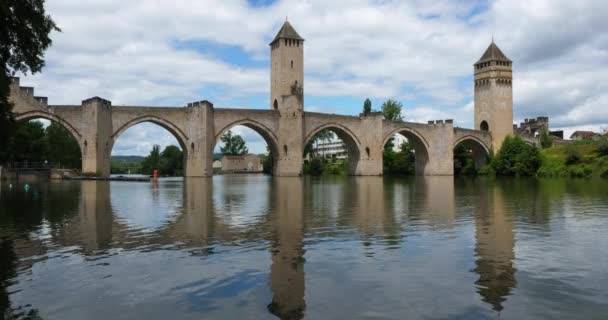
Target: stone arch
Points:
(418, 141)
(266, 133)
(353, 145)
(179, 135)
(481, 151)
(31, 115)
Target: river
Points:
(257, 247)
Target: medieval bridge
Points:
(286, 127)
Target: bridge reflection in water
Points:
(287, 215)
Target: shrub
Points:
(573, 156)
(546, 140)
(604, 174)
(602, 147)
(516, 158)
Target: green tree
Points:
(516, 158)
(152, 161)
(62, 147)
(24, 36)
(233, 145)
(29, 142)
(546, 140)
(391, 110)
(172, 161)
(402, 162)
(367, 106)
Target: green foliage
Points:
(574, 160)
(546, 140)
(172, 161)
(152, 161)
(63, 149)
(516, 158)
(29, 142)
(321, 166)
(402, 162)
(464, 164)
(573, 155)
(24, 36)
(367, 107)
(168, 162)
(314, 167)
(602, 147)
(391, 110)
(233, 145)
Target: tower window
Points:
(483, 126)
(275, 104)
(292, 64)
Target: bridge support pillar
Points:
(370, 155)
(290, 137)
(440, 160)
(199, 147)
(96, 129)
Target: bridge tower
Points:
(494, 94)
(287, 98)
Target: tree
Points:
(62, 148)
(391, 110)
(516, 158)
(29, 142)
(152, 161)
(24, 36)
(172, 161)
(546, 140)
(367, 107)
(233, 145)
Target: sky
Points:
(169, 53)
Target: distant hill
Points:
(127, 159)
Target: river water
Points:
(257, 247)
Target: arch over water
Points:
(31, 115)
(179, 135)
(353, 145)
(418, 142)
(480, 151)
(266, 133)
(174, 130)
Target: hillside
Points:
(579, 159)
(127, 159)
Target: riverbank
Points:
(579, 159)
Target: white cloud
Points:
(411, 50)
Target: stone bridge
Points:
(96, 125)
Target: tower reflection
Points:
(287, 250)
(493, 246)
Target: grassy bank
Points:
(579, 159)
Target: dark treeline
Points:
(34, 143)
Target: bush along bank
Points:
(577, 159)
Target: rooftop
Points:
(493, 53)
(287, 32)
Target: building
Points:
(331, 150)
(241, 163)
(585, 135)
